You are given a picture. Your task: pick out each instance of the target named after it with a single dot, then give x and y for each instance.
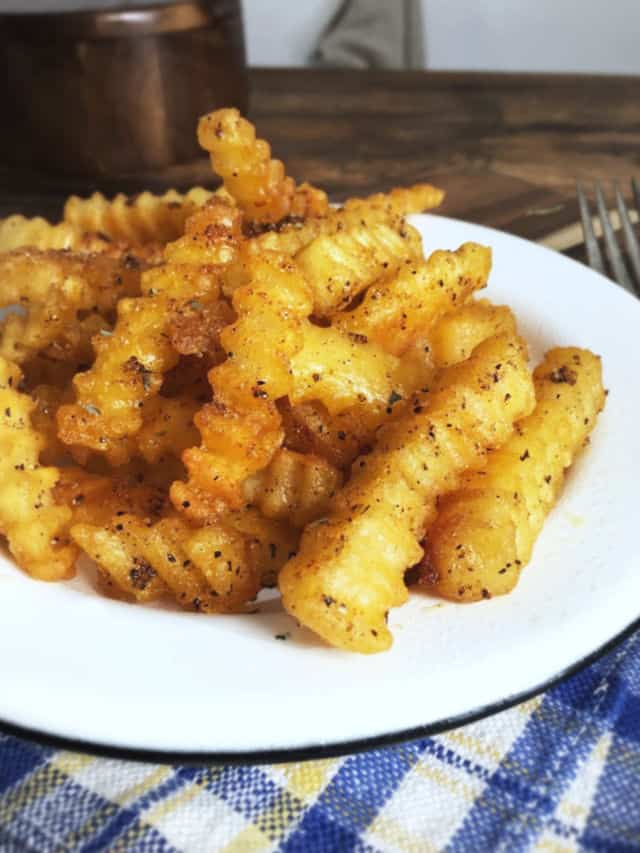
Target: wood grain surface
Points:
(508, 148)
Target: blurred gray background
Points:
(504, 35)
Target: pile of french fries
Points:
(213, 392)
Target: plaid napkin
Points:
(558, 773)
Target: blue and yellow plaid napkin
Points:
(558, 773)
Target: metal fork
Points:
(627, 275)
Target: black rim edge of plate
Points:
(320, 751)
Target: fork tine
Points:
(636, 193)
(633, 246)
(612, 249)
(594, 255)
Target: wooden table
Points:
(508, 148)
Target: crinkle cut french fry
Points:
(97, 498)
(270, 542)
(139, 219)
(17, 232)
(294, 486)
(54, 290)
(398, 310)
(214, 569)
(194, 327)
(340, 266)
(241, 427)
(485, 531)
(350, 566)
(33, 524)
(457, 334)
(292, 237)
(130, 364)
(168, 427)
(310, 429)
(258, 183)
(339, 438)
(341, 369)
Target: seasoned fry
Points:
(29, 517)
(168, 427)
(339, 438)
(485, 531)
(398, 310)
(340, 266)
(341, 369)
(214, 569)
(309, 428)
(400, 202)
(270, 542)
(194, 327)
(258, 184)
(294, 487)
(130, 364)
(17, 232)
(54, 289)
(136, 220)
(97, 498)
(457, 334)
(349, 570)
(241, 428)
(292, 236)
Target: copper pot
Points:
(116, 92)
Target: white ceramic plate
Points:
(166, 684)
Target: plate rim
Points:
(315, 752)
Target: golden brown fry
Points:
(194, 327)
(130, 364)
(340, 266)
(97, 498)
(349, 570)
(136, 220)
(399, 310)
(339, 438)
(214, 569)
(29, 517)
(341, 369)
(270, 542)
(258, 183)
(17, 232)
(294, 487)
(75, 343)
(54, 290)
(241, 427)
(168, 427)
(310, 429)
(292, 236)
(457, 334)
(485, 531)
(398, 203)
